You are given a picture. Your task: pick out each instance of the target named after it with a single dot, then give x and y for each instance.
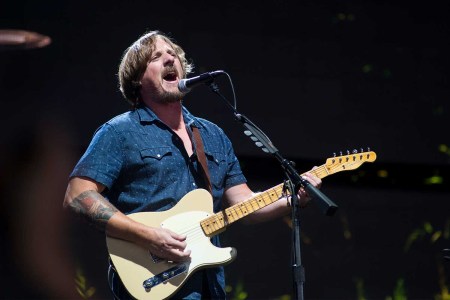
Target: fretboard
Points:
(217, 222)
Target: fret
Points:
(231, 212)
(248, 206)
(254, 204)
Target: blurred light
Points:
(346, 228)
(436, 179)
(367, 68)
(439, 110)
(428, 227)
(443, 148)
(436, 236)
(345, 17)
(382, 173)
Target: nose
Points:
(168, 59)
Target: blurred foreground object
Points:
(12, 39)
(446, 254)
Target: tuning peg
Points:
(247, 132)
(348, 152)
(340, 153)
(354, 151)
(368, 149)
(334, 154)
(362, 150)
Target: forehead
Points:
(161, 44)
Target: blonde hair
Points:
(134, 63)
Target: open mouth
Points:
(170, 76)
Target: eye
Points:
(172, 53)
(155, 56)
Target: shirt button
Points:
(158, 156)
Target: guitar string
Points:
(242, 209)
(195, 232)
(216, 220)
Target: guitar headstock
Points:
(350, 161)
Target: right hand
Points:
(168, 245)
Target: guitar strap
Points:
(201, 157)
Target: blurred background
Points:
(319, 77)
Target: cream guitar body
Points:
(136, 265)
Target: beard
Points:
(169, 96)
(160, 95)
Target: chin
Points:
(171, 97)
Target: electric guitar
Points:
(146, 276)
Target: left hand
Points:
(303, 196)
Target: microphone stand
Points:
(294, 182)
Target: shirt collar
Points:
(146, 115)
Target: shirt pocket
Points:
(160, 166)
(155, 153)
(217, 166)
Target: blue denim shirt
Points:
(145, 167)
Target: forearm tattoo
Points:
(91, 206)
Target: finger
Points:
(178, 237)
(314, 180)
(178, 255)
(178, 245)
(302, 193)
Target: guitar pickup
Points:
(164, 276)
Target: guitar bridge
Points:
(164, 276)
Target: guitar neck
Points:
(216, 223)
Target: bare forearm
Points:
(84, 199)
(238, 194)
(100, 213)
(94, 208)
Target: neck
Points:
(170, 113)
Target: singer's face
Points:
(160, 80)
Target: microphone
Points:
(185, 85)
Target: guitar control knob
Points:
(148, 284)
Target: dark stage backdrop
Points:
(317, 76)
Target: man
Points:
(147, 160)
